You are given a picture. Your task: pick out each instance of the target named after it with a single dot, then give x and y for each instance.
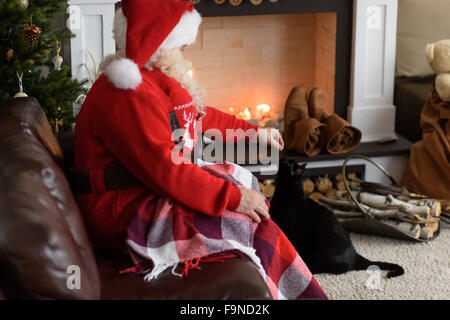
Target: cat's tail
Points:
(394, 269)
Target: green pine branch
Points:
(55, 90)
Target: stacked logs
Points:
(315, 188)
(417, 218)
(327, 185)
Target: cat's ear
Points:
(300, 170)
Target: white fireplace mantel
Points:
(373, 65)
(91, 21)
(373, 58)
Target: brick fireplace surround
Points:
(245, 61)
(352, 41)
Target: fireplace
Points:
(250, 56)
(247, 63)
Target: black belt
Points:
(115, 177)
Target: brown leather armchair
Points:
(42, 233)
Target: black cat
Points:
(314, 231)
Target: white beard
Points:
(173, 64)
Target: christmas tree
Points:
(30, 61)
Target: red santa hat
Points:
(144, 26)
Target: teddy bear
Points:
(438, 56)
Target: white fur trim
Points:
(185, 32)
(124, 73)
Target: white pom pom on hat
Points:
(124, 74)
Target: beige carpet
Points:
(427, 270)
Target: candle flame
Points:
(247, 114)
(264, 108)
(191, 73)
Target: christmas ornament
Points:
(31, 34)
(56, 123)
(219, 1)
(20, 94)
(256, 2)
(45, 52)
(57, 60)
(235, 2)
(9, 54)
(23, 4)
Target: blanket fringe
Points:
(153, 273)
(194, 263)
(156, 271)
(139, 268)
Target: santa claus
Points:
(124, 134)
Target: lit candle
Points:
(247, 114)
(262, 110)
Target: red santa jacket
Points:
(133, 127)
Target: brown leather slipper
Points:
(308, 138)
(340, 135)
(296, 108)
(302, 133)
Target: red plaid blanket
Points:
(164, 234)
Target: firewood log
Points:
(426, 233)
(343, 195)
(434, 205)
(433, 226)
(421, 211)
(316, 196)
(416, 219)
(374, 200)
(358, 214)
(383, 214)
(340, 185)
(351, 176)
(338, 181)
(331, 193)
(267, 188)
(308, 186)
(409, 228)
(324, 184)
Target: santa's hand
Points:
(253, 204)
(271, 137)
